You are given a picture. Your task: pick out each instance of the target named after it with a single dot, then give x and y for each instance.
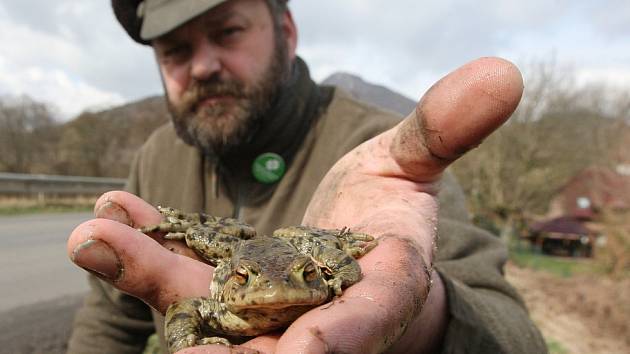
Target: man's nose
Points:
(206, 61)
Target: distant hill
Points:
(103, 143)
(374, 94)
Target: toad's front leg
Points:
(185, 320)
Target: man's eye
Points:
(229, 32)
(174, 51)
(174, 54)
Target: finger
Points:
(126, 208)
(455, 115)
(126, 258)
(265, 344)
(261, 344)
(220, 349)
(372, 313)
(131, 210)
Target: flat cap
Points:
(145, 20)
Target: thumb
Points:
(455, 115)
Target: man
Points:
(239, 97)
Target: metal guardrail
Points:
(27, 184)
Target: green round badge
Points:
(268, 168)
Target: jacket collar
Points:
(282, 131)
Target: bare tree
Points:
(557, 130)
(103, 143)
(83, 145)
(26, 133)
(616, 253)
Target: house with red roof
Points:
(573, 225)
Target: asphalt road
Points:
(34, 266)
(40, 288)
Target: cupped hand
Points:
(386, 187)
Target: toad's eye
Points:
(310, 272)
(241, 275)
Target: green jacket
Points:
(486, 313)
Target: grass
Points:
(32, 205)
(561, 266)
(555, 347)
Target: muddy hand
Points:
(151, 269)
(156, 270)
(387, 188)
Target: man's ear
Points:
(290, 33)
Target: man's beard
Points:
(222, 127)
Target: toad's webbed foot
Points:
(173, 221)
(214, 340)
(356, 244)
(177, 223)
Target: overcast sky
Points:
(73, 54)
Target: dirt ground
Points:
(578, 314)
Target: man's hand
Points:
(386, 187)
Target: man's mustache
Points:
(199, 91)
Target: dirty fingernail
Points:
(113, 211)
(98, 257)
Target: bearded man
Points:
(253, 137)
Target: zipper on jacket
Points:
(238, 203)
(215, 181)
(241, 190)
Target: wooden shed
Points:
(566, 235)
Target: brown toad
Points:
(261, 283)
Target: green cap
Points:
(162, 16)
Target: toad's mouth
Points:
(276, 299)
(271, 307)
